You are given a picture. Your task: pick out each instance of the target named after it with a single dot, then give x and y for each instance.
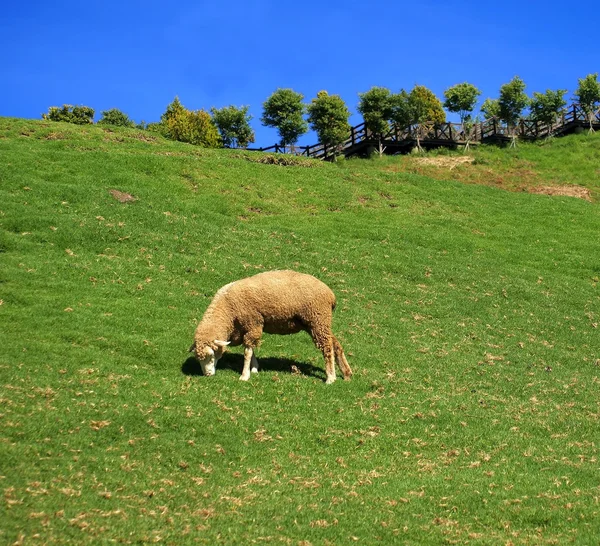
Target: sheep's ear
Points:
(220, 343)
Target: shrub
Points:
(80, 115)
(114, 116)
(193, 127)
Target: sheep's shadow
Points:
(235, 362)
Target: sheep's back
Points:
(279, 295)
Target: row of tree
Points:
(328, 115)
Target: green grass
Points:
(469, 315)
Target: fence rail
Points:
(431, 135)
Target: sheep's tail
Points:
(340, 358)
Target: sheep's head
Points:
(208, 355)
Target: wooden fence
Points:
(431, 135)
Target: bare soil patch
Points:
(122, 197)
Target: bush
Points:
(114, 116)
(193, 127)
(80, 115)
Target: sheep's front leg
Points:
(248, 358)
(251, 341)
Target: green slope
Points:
(469, 315)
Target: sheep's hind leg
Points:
(340, 358)
(329, 366)
(323, 341)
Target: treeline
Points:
(328, 115)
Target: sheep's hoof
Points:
(330, 380)
(244, 377)
(254, 370)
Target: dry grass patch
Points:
(565, 191)
(519, 176)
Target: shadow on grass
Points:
(235, 363)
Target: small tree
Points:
(284, 110)
(490, 108)
(401, 112)
(328, 117)
(376, 108)
(80, 115)
(546, 107)
(114, 116)
(511, 103)
(587, 95)
(234, 125)
(461, 100)
(178, 123)
(424, 107)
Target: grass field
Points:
(469, 315)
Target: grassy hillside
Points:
(469, 315)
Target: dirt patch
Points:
(54, 136)
(282, 160)
(144, 137)
(566, 191)
(122, 197)
(444, 162)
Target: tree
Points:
(284, 110)
(401, 111)
(80, 115)
(234, 125)
(328, 117)
(114, 116)
(424, 107)
(511, 102)
(490, 108)
(461, 99)
(587, 95)
(546, 107)
(376, 108)
(193, 127)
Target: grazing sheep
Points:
(276, 302)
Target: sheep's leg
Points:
(251, 340)
(340, 358)
(248, 357)
(323, 340)
(253, 364)
(329, 366)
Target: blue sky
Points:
(138, 55)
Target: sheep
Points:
(275, 302)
